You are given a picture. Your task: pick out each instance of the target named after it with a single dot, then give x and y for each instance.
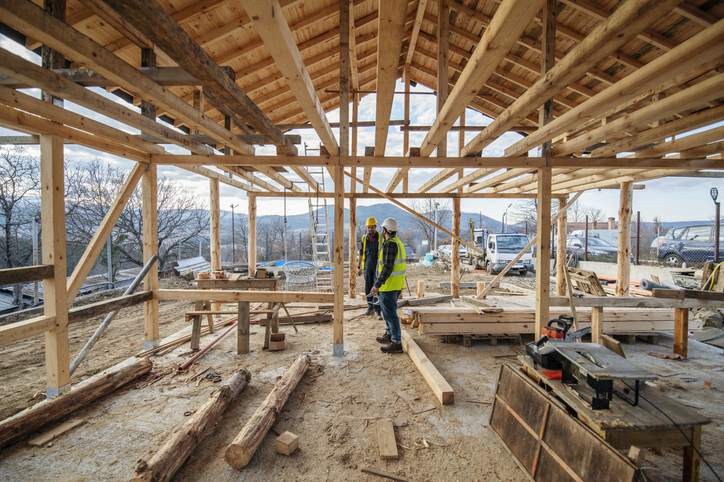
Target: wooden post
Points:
(596, 324)
(50, 58)
(561, 249)
(52, 218)
(214, 212)
(242, 448)
(251, 236)
(543, 259)
(681, 331)
(352, 247)
(406, 118)
(455, 268)
(692, 460)
(164, 463)
(198, 105)
(480, 285)
(420, 288)
(149, 183)
(148, 59)
(623, 265)
(338, 341)
(443, 45)
(242, 340)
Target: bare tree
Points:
(19, 180)
(426, 208)
(181, 217)
(595, 214)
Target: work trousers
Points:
(388, 302)
(370, 278)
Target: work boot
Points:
(370, 312)
(392, 348)
(378, 315)
(386, 338)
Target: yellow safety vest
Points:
(396, 281)
(364, 248)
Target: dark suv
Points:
(690, 244)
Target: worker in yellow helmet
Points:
(389, 285)
(367, 263)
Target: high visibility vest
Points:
(364, 249)
(396, 281)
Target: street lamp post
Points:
(505, 218)
(714, 194)
(233, 244)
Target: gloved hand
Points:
(358, 271)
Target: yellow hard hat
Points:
(371, 222)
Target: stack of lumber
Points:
(519, 321)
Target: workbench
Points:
(234, 283)
(623, 425)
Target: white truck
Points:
(502, 248)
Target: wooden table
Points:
(623, 425)
(233, 283)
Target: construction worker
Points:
(367, 263)
(389, 284)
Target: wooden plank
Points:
(612, 344)
(442, 390)
(522, 328)
(603, 40)
(690, 294)
(156, 23)
(25, 329)
(26, 274)
(45, 438)
(638, 302)
(386, 475)
(386, 439)
(272, 27)
(390, 32)
(98, 241)
(233, 296)
(86, 312)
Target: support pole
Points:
(251, 236)
(215, 214)
(455, 268)
(55, 295)
(338, 342)
(443, 45)
(353, 248)
(149, 183)
(406, 133)
(623, 265)
(561, 249)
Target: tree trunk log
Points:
(24, 423)
(164, 464)
(240, 451)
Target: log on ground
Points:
(164, 464)
(32, 419)
(242, 448)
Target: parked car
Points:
(409, 253)
(692, 245)
(598, 250)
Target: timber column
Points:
(149, 186)
(52, 205)
(623, 263)
(251, 236)
(455, 268)
(338, 342)
(561, 249)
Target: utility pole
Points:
(233, 244)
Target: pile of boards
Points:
(520, 321)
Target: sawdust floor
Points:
(334, 411)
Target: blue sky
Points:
(672, 199)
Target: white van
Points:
(502, 248)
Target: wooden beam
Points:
(26, 274)
(98, 241)
(272, 27)
(623, 263)
(511, 18)
(52, 207)
(153, 20)
(215, 225)
(440, 387)
(345, 38)
(606, 38)
(421, 6)
(29, 73)
(21, 330)
(87, 312)
(681, 331)
(27, 18)
(251, 254)
(215, 175)
(149, 211)
(701, 48)
(391, 31)
(234, 296)
(100, 8)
